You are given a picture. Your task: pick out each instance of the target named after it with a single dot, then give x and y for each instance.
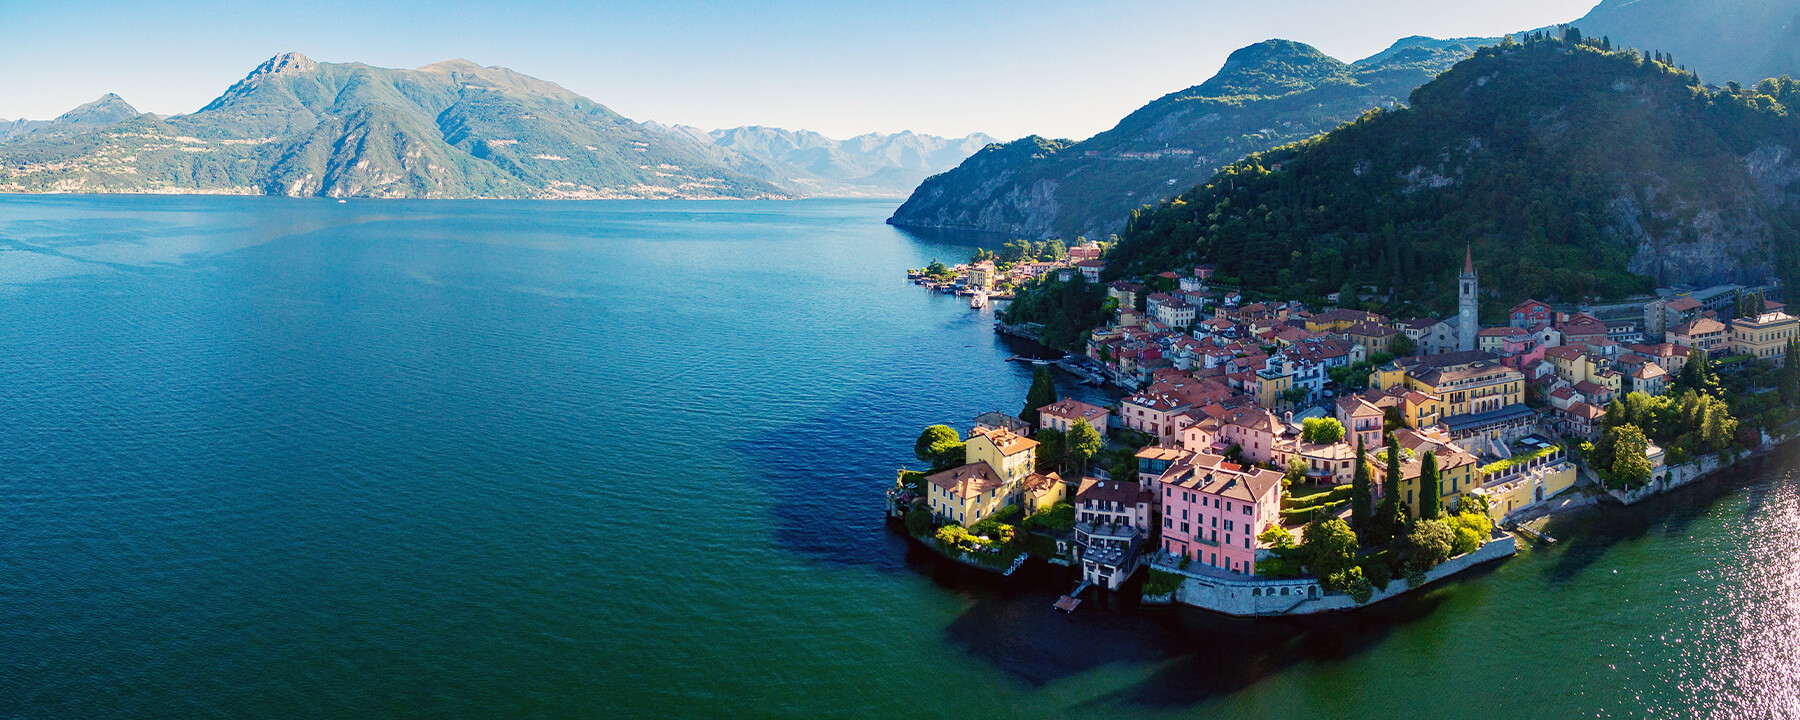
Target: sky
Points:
(1009, 69)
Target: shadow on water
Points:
(1012, 626)
(1587, 535)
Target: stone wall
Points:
(1247, 596)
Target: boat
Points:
(978, 300)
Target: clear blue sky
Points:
(1063, 69)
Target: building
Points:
(1112, 521)
(1529, 314)
(1361, 419)
(1702, 333)
(1090, 269)
(1040, 491)
(1213, 511)
(1468, 303)
(981, 275)
(1456, 467)
(967, 494)
(1175, 312)
(1063, 414)
(996, 420)
(1011, 456)
(1764, 337)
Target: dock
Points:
(1069, 602)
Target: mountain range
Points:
(1268, 94)
(452, 129)
(1279, 91)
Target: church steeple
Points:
(1468, 303)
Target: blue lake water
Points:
(265, 457)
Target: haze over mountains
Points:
(1268, 94)
(452, 129)
(1276, 92)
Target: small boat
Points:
(978, 300)
(340, 202)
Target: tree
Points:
(1430, 500)
(1631, 461)
(1328, 547)
(1042, 392)
(1360, 497)
(935, 442)
(1403, 346)
(1296, 470)
(1276, 538)
(1083, 442)
(1052, 450)
(1790, 371)
(1428, 544)
(1321, 431)
(1390, 485)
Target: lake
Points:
(267, 457)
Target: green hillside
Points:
(1572, 170)
(1267, 94)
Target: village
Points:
(1270, 458)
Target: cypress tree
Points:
(1391, 486)
(1790, 373)
(1042, 392)
(1429, 501)
(1360, 500)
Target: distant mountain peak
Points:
(108, 110)
(453, 64)
(285, 63)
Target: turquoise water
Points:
(291, 458)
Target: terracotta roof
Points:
(1095, 489)
(1527, 304)
(1212, 475)
(1039, 483)
(1584, 410)
(967, 481)
(1684, 304)
(1698, 326)
(1007, 441)
(1074, 410)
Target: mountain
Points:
(808, 163)
(1721, 40)
(294, 126)
(1267, 94)
(1572, 171)
(109, 110)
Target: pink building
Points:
(1213, 510)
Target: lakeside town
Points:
(1272, 458)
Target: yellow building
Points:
(1456, 467)
(1270, 386)
(967, 494)
(1387, 376)
(1039, 492)
(1012, 456)
(1478, 387)
(1764, 336)
(981, 275)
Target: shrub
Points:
(1467, 541)
(1161, 583)
(1058, 517)
(1006, 514)
(918, 520)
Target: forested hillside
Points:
(1574, 170)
